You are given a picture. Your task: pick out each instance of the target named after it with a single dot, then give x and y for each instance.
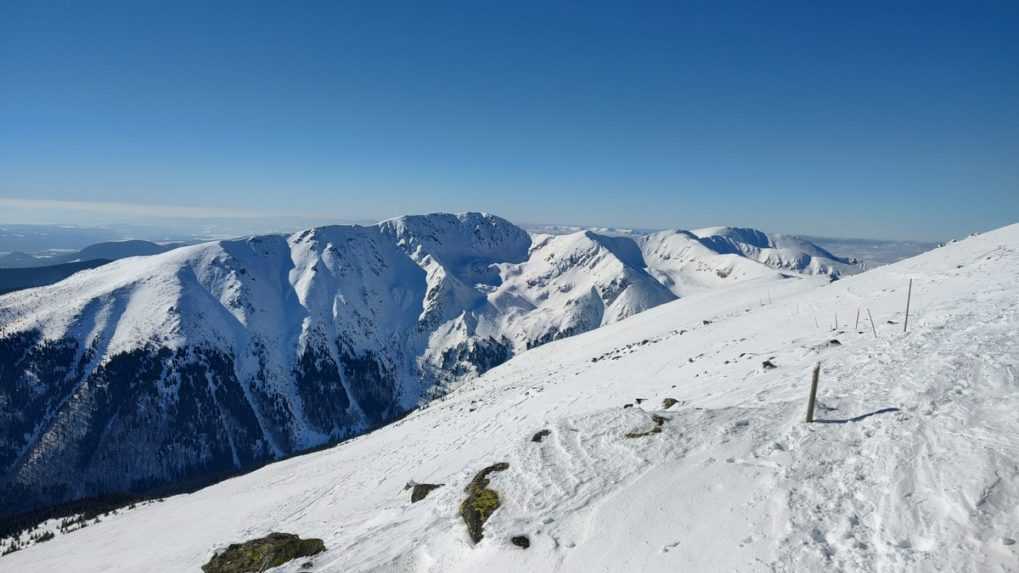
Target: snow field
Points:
(912, 466)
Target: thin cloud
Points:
(129, 209)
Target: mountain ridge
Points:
(664, 442)
(224, 355)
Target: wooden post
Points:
(857, 325)
(874, 328)
(909, 295)
(813, 392)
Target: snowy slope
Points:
(913, 466)
(214, 358)
(595, 279)
(686, 264)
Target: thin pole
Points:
(813, 392)
(872, 323)
(857, 325)
(909, 295)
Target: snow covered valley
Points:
(673, 440)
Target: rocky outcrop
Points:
(264, 553)
(420, 491)
(656, 429)
(481, 501)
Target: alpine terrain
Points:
(674, 440)
(193, 364)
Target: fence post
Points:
(857, 325)
(874, 328)
(909, 296)
(813, 392)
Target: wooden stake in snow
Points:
(813, 392)
(909, 295)
(874, 328)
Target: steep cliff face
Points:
(213, 358)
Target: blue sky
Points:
(884, 119)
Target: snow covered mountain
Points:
(214, 358)
(777, 251)
(670, 441)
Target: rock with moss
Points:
(263, 553)
(669, 402)
(481, 501)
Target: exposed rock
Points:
(260, 554)
(477, 355)
(520, 541)
(654, 430)
(827, 344)
(481, 501)
(421, 490)
(669, 402)
(768, 365)
(537, 438)
(658, 420)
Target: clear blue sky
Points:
(884, 119)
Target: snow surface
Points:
(913, 465)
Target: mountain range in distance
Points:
(673, 439)
(209, 359)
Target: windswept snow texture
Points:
(912, 465)
(214, 358)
